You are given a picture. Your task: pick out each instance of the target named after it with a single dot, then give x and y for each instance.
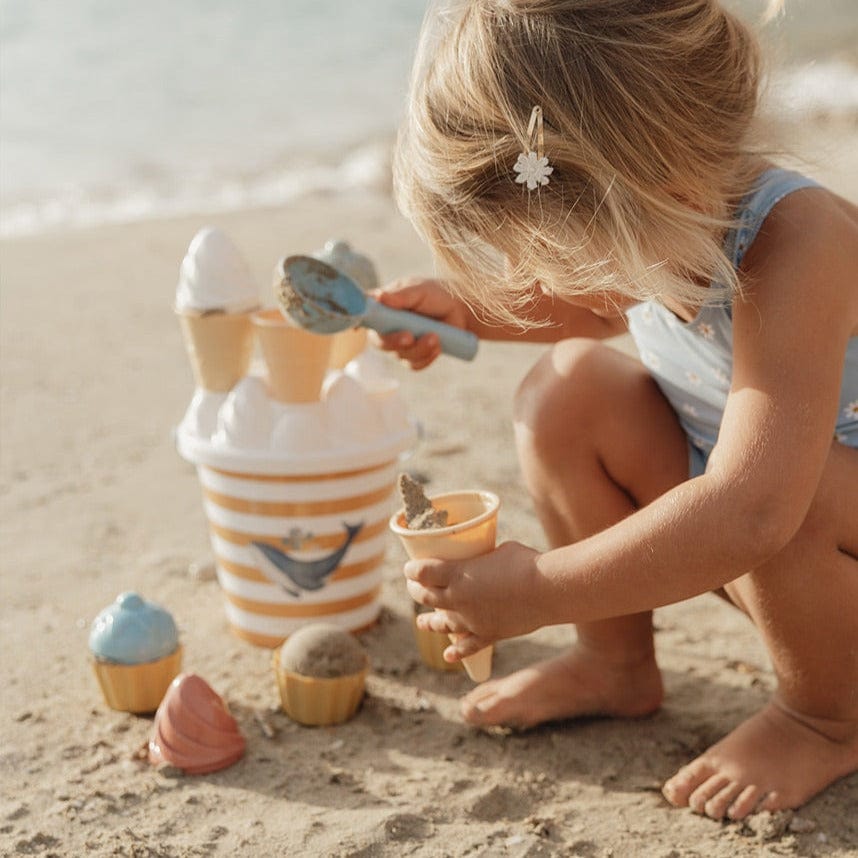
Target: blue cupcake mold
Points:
(133, 631)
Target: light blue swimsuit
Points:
(692, 362)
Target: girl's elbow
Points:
(769, 525)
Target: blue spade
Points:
(321, 299)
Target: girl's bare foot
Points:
(579, 682)
(775, 760)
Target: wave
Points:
(366, 168)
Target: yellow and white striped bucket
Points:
(297, 542)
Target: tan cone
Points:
(219, 346)
(347, 346)
(472, 531)
(296, 360)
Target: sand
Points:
(95, 501)
(420, 514)
(323, 651)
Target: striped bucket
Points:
(292, 550)
(298, 539)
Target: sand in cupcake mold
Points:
(323, 651)
(321, 675)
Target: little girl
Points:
(583, 166)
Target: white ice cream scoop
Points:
(214, 276)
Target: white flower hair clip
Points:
(532, 166)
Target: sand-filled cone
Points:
(219, 346)
(193, 729)
(296, 360)
(471, 531)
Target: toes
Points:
(717, 806)
(678, 789)
(488, 705)
(771, 802)
(479, 706)
(745, 802)
(707, 791)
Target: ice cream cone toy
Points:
(321, 675)
(136, 653)
(214, 299)
(450, 526)
(348, 345)
(219, 347)
(296, 361)
(194, 730)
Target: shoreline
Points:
(359, 167)
(817, 139)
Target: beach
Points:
(96, 501)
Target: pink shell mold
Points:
(193, 729)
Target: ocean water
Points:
(117, 110)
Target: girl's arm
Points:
(790, 335)
(430, 298)
(564, 320)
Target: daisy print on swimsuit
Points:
(651, 360)
(706, 331)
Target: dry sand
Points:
(95, 500)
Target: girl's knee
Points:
(559, 387)
(830, 520)
(824, 543)
(560, 406)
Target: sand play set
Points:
(297, 454)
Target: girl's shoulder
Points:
(808, 221)
(807, 246)
(780, 198)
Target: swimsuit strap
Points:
(769, 189)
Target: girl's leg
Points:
(805, 604)
(596, 440)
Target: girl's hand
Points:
(482, 599)
(429, 298)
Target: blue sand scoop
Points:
(321, 299)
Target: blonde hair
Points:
(648, 112)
